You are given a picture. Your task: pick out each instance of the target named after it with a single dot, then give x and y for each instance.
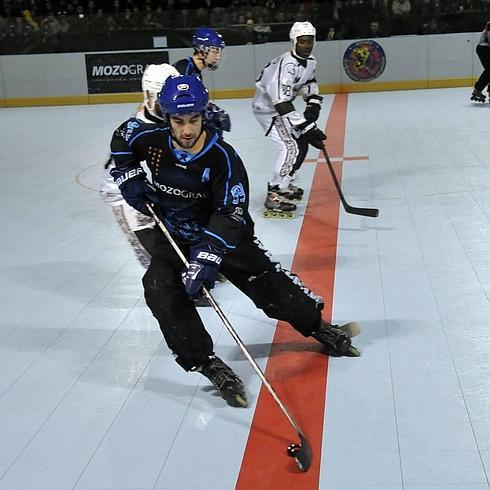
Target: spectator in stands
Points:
(128, 21)
(401, 10)
(218, 17)
(3, 27)
(111, 25)
(149, 19)
(116, 7)
(431, 26)
(201, 17)
(374, 30)
(336, 32)
(50, 29)
(64, 24)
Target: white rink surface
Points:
(90, 396)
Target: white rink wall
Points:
(411, 62)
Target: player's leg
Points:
(283, 296)
(483, 53)
(181, 324)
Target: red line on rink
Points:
(296, 367)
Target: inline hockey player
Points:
(200, 191)
(280, 81)
(209, 48)
(133, 223)
(483, 52)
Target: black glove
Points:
(309, 133)
(217, 119)
(313, 107)
(135, 187)
(204, 262)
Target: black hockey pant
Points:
(483, 53)
(279, 293)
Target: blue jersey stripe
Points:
(229, 173)
(134, 138)
(224, 242)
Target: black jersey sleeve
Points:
(123, 151)
(187, 67)
(230, 199)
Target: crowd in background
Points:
(28, 26)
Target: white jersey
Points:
(282, 79)
(109, 190)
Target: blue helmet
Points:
(209, 38)
(183, 95)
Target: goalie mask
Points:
(307, 32)
(152, 82)
(209, 44)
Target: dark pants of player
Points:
(279, 293)
(483, 53)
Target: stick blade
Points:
(304, 455)
(369, 212)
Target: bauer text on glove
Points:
(204, 262)
(135, 187)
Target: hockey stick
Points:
(369, 212)
(300, 452)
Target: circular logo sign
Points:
(364, 61)
(182, 86)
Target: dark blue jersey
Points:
(203, 196)
(187, 67)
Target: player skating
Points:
(280, 81)
(134, 224)
(208, 54)
(200, 191)
(483, 52)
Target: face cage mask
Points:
(211, 56)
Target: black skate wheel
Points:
(293, 449)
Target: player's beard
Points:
(188, 143)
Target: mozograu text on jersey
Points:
(173, 191)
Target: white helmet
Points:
(154, 77)
(301, 29)
(152, 81)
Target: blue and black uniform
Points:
(186, 66)
(204, 197)
(217, 118)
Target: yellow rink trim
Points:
(238, 93)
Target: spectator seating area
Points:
(48, 26)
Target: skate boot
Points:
(478, 96)
(337, 339)
(229, 385)
(297, 191)
(292, 193)
(277, 207)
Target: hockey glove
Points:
(313, 107)
(135, 187)
(204, 262)
(309, 133)
(217, 119)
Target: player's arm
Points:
(230, 194)
(127, 173)
(311, 95)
